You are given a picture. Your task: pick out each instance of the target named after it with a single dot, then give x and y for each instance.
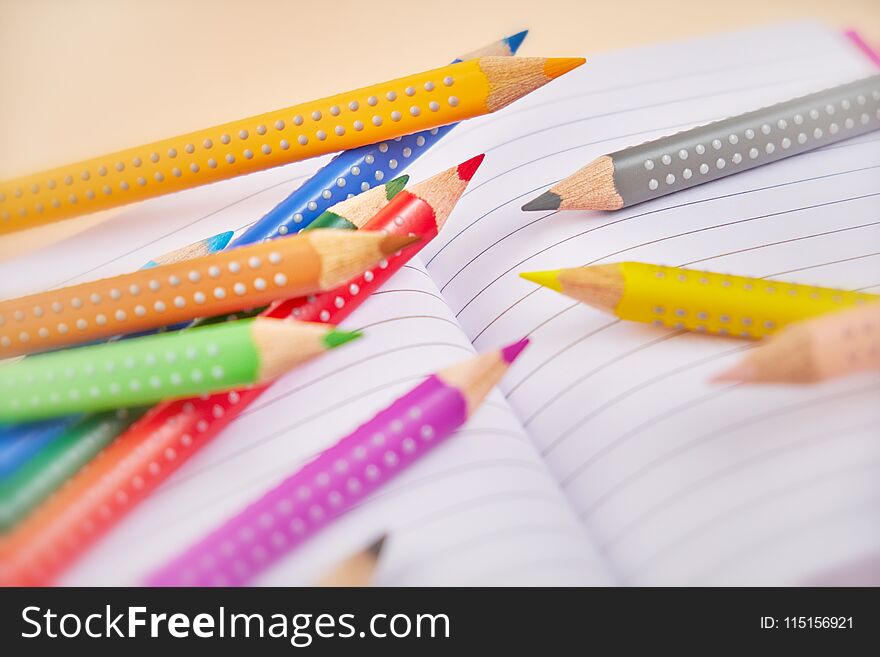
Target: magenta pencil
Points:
(339, 477)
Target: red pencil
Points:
(137, 462)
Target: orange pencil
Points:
(216, 284)
(369, 115)
(819, 349)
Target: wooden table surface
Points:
(81, 77)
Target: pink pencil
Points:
(863, 45)
(339, 477)
(822, 348)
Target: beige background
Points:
(81, 77)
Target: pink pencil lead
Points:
(511, 351)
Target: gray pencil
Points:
(719, 149)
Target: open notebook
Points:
(606, 457)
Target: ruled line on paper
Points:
(840, 435)
(808, 404)
(788, 534)
(641, 385)
(642, 244)
(800, 58)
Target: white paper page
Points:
(681, 481)
(481, 509)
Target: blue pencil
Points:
(352, 172)
(20, 442)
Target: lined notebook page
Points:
(679, 481)
(481, 509)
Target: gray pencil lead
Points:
(546, 201)
(375, 548)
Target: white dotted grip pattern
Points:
(356, 118)
(709, 152)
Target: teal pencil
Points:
(203, 247)
(30, 484)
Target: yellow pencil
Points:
(695, 300)
(354, 118)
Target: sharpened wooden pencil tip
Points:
(393, 187)
(600, 286)
(393, 243)
(355, 211)
(219, 241)
(590, 188)
(512, 351)
(556, 66)
(443, 190)
(203, 247)
(514, 41)
(375, 548)
(511, 78)
(468, 168)
(742, 372)
(358, 569)
(545, 278)
(546, 201)
(335, 337)
(284, 344)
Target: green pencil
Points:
(167, 366)
(355, 211)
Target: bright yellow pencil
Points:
(354, 118)
(695, 300)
